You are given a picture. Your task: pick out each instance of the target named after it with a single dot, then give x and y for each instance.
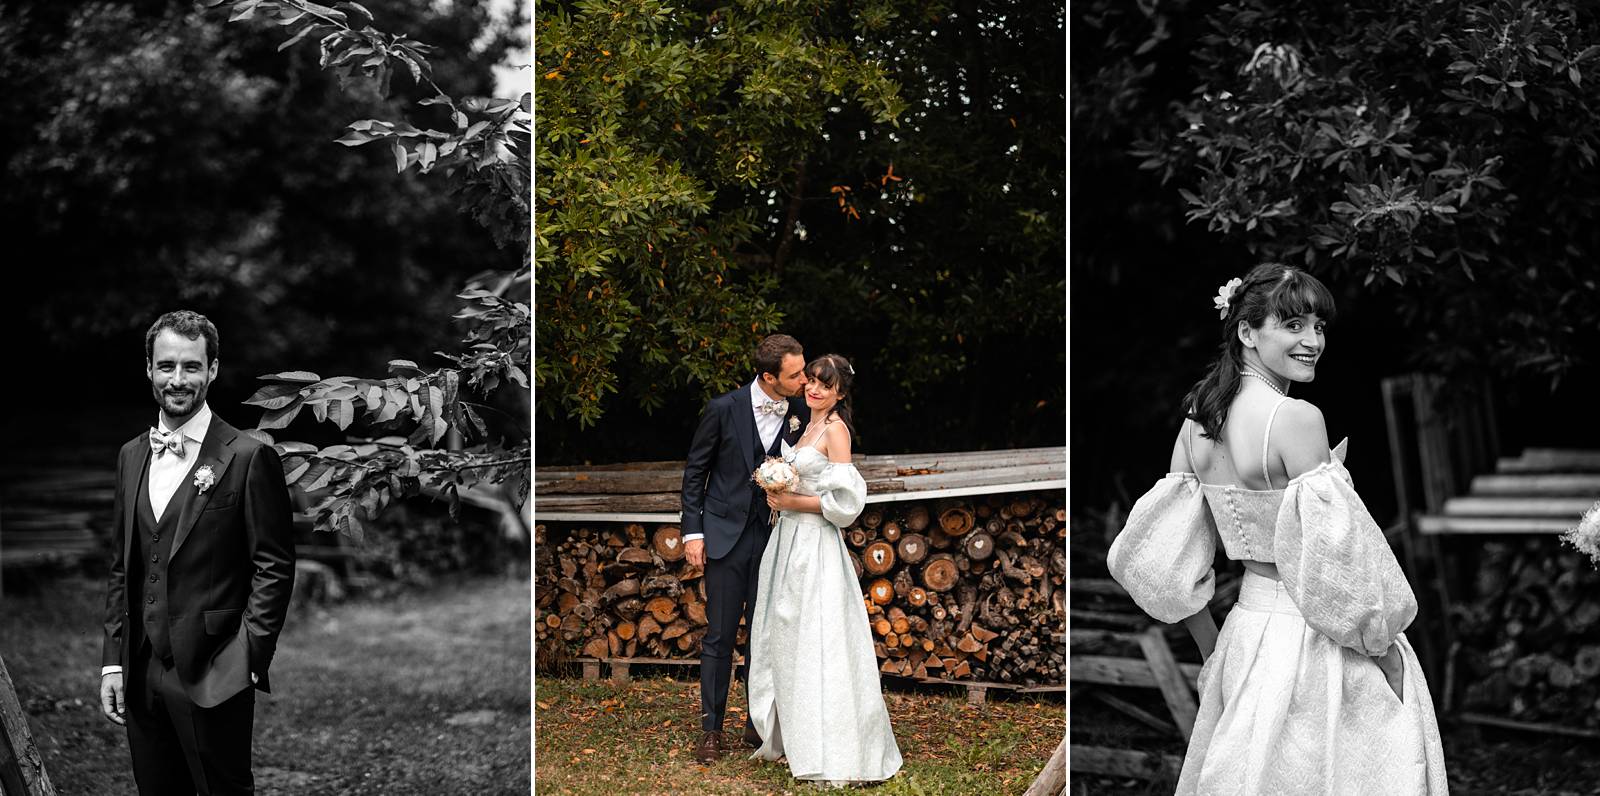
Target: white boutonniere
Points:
(794, 424)
(204, 478)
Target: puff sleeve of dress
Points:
(842, 491)
(1163, 554)
(1337, 565)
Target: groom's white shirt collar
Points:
(195, 427)
(758, 396)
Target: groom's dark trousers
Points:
(721, 501)
(195, 602)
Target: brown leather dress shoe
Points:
(709, 748)
(751, 738)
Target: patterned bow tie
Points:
(163, 441)
(773, 408)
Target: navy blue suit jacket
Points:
(717, 488)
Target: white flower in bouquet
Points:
(775, 475)
(1586, 537)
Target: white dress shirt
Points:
(167, 472)
(767, 426)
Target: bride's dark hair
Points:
(836, 372)
(1269, 289)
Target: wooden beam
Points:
(1440, 524)
(1564, 508)
(21, 769)
(1111, 670)
(1135, 712)
(1052, 780)
(1174, 689)
(1124, 763)
(1538, 485)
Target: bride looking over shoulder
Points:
(1311, 685)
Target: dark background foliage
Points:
(156, 157)
(1432, 162)
(915, 226)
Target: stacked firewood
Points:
(1530, 634)
(970, 589)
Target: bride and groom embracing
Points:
(812, 674)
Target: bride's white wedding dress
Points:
(815, 695)
(1291, 701)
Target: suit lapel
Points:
(132, 481)
(216, 453)
(745, 422)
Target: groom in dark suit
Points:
(202, 566)
(725, 515)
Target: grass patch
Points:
(424, 692)
(606, 738)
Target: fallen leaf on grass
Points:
(543, 705)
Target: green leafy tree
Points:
(483, 150)
(665, 132)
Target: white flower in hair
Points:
(1225, 295)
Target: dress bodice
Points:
(838, 484)
(808, 462)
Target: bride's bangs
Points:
(822, 369)
(1301, 294)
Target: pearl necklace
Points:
(1269, 382)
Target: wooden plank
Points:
(1052, 779)
(1551, 460)
(1439, 524)
(1179, 698)
(1528, 726)
(1117, 618)
(1043, 689)
(1124, 763)
(1538, 485)
(1480, 506)
(995, 475)
(1135, 712)
(666, 508)
(1111, 670)
(1082, 636)
(21, 769)
(1098, 586)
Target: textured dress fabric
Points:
(815, 695)
(1291, 701)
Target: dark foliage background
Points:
(156, 157)
(891, 189)
(1432, 162)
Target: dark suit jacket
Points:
(231, 567)
(717, 488)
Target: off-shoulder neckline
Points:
(1327, 465)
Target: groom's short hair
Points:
(188, 323)
(770, 354)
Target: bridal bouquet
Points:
(775, 476)
(1586, 537)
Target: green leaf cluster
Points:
(664, 131)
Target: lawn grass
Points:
(421, 693)
(604, 737)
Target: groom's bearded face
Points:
(791, 378)
(180, 374)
